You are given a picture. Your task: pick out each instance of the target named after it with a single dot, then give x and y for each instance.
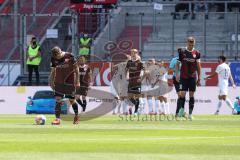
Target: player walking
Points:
(189, 58)
(224, 74)
(134, 68)
(85, 78)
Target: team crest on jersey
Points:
(194, 55)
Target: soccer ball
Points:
(40, 120)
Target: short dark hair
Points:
(191, 39)
(223, 58)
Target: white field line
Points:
(119, 139)
(156, 138)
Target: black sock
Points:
(79, 101)
(75, 108)
(58, 109)
(84, 105)
(133, 101)
(178, 106)
(181, 102)
(136, 105)
(191, 105)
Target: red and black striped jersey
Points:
(188, 61)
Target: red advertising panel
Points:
(207, 69)
(101, 73)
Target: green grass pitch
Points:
(110, 138)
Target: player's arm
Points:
(127, 71)
(171, 67)
(76, 77)
(52, 77)
(145, 73)
(211, 75)
(218, 70)
(199, 68)
(232, 81)
(179, 60)
(177, 70)
(199, 72)
(91, 77)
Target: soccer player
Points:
(162, 81)
(85, 78)
(190, 72)
(120, 86)
(171, 70)
(61, 60)
(224, 74)
(133, 69)
(149, 79)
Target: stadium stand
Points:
(161, 33)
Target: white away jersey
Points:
(223, 71)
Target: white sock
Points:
(141, 105)
(167, 109)
(115, 106)
(124, 106)
(150, 105)
(144, 105)
(119, 106)
(219, 105)
(157, 104)
(163, 107)
(229, 103)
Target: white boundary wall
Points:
(13, 99)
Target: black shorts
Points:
(134, 89)
(188, 84)
(83, 90)
(64, 95)
(176, 84)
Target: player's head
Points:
(151, 61)
(190, 43)
(134, 54)
(56, 52)
(82, 60)
(221, 59)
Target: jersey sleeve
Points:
(180, 54)
(172, 63)
(218, 69)
(198, 57)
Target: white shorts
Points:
(223, 90)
